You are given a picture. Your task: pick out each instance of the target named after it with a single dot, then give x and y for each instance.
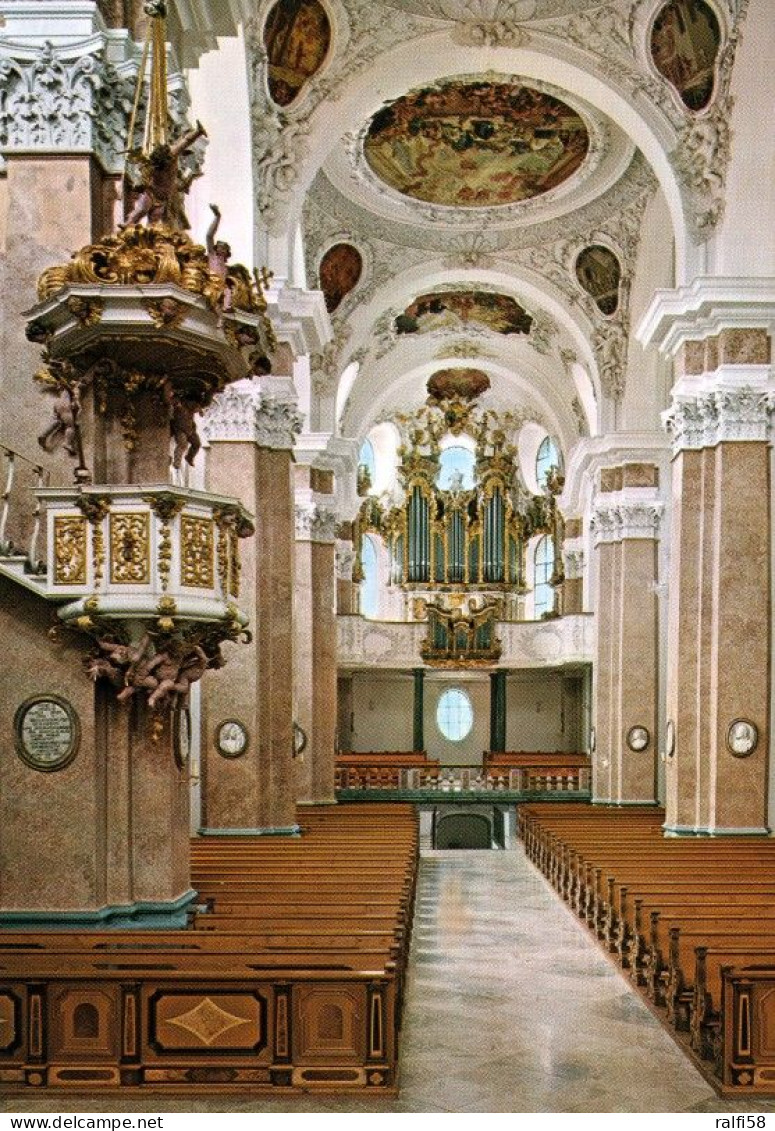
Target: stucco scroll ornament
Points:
(609, 342)
(489, 23)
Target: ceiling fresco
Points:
(475, 144)
(297, 36)
(685, 42)
(464, 309)
(463, 384)
(599, 272)
(339, 271)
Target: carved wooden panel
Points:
(331, 1023)
(9, 1022)
(198, 1021)
(83, 1022)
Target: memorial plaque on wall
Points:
(47, 732)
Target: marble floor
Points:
(511, 1007)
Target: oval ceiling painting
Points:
(339, 271)
(460, 310)
(297, 36)
(462, 384)
(475, 144)
(685, 42)
(599, 273)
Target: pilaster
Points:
(251, 429)
(719, 333)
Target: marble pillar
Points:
(315, 634)
(719, 627)
(626, 522)
(345, 587)
(498, 711)
(344, 707)
(573, 568)
(251, 428)
(418, 713)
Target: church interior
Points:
(386, 540)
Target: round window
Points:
(454, 714)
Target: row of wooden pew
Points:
(692, 920)
(290, 975)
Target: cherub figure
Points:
(183, 427)
(175, 673)
(218, 255)
(63, 429)
(163, 188)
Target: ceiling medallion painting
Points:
(475, 144)
(339, 271)
(297, 36)
(460, 384)
(464, 310)
(685, 42)
(599, 273)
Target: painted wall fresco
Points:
(685, 42)
(599, 273)
(339, 271)
(297, 36)
(460, 310)
(463, 384)
(475, 144)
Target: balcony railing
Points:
(461, 784)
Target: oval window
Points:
(454, 714)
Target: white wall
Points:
(543, 713)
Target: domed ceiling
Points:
(475, 144)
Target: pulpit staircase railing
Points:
(22, 529)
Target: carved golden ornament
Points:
(88, 311)
(196, 552)
(98, 554)
(94, 507)
(235, 564)
(130, 551)
(166, 312)
(70, 550)
(167, 605)
(139, 256)
(166, 505)
(164, 555)
(223, 556)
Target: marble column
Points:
(251, 428)
(717, 736)
(626, 522)
(344, 694)
(418, 714)
(345, 587)
(498, 711)
(315, 634)
(573, 568)
(720, 633)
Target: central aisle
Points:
(513, 1007)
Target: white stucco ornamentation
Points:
(573, 562)
(74, 97)
(716, 415)
(345, 559)
(245, 412)
(621, 515)
(315, 522)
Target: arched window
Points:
(367, 467)
(547, 458)
(370, 583)
(543, 592)
(456, 469)
(454, 714)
